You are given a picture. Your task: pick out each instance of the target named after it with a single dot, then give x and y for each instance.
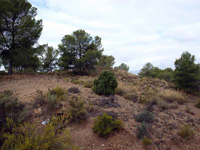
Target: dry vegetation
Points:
(153, 114)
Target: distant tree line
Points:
(186, 75)
(78, 52)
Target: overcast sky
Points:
(133, 31)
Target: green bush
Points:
(146, 141)
(50, 100)
(142, 130)
(77, 111)
(145, 116)
(186, 132)
(105, 84)
(106, 124)
(25, 137)
(10, 107)
(58, 91)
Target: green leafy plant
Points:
(106, 124)
(105, 84)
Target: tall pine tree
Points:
(19, 31)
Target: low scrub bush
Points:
(173, 96)
(10, 107)
(73, 90)
(198, 104)
(105, 84)
(58, 91)
(25, 137)
(50, 100)
(145, 116)
(88, 84)
(106, 124)
(186, 132)
(77, 112)
(146, 141)
(77, 81)
(142, 130)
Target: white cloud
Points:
(133, 31)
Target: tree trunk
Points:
(10, 68)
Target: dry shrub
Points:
(186, 132)
(173, 96)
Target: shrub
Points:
(198, 104)
(145, 116)
(76, 81)
(88, 84)
(105, 125)
(25, 137)
(58, 91)
(77, 111)
(10, 107)
(73, 90)
(105, 84)
(142, 130)
(49, 100)
(146, 141)
(173, 96)
(186, 132)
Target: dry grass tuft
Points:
(173, 96)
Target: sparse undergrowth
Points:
(106, 124)
(173, 96)
(24, 137)
(186, 132)
(145, 116)
(78, 111)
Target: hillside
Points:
(171, 109)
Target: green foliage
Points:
(77, 112)
(79, 51)
(150, 71)
(123, 66)
(19, 33)
(186, 132)
(145, 116)
(58, 91)
(106, 61)
(50, 58)
(142, 130)
(105, 84)
(187, 73)
(105, 125)
(146, 141)
(25, 137)
(10, 107)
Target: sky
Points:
(133, 31)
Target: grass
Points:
(186, 132)
(173, 96)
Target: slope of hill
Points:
(171, 110)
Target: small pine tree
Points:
(187, 72)
(105, 84)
